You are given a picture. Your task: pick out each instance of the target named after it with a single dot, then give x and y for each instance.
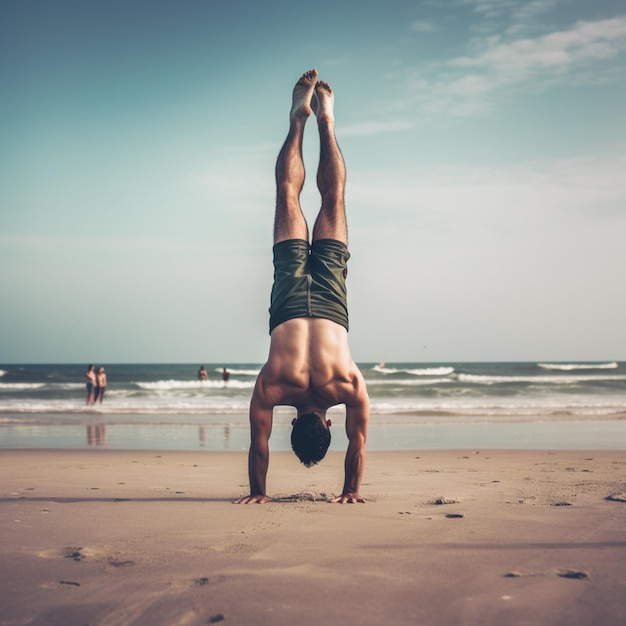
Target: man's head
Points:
(310, 438)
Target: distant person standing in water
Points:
(225, 375)
(101, 385)
(202, 373)
(91, 384)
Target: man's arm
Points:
(357, 419)
(259, 454)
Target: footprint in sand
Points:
(571, 573)
(75, 554)
(115, 563)
(563, 573)
(617, 497)
(445, 501)
(516, 574)
(205, 580)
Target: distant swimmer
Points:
(309, 365)
(225, 375)
(202, 373)
(101, 385)
(90, 374)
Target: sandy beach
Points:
(105, 537)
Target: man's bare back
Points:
(310, 368)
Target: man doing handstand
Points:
(309, 365)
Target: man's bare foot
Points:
(302, 94)
(323, 102)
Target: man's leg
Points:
(331, 173)
(289, 221)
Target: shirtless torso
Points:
(310, 368)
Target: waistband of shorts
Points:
(303, 243)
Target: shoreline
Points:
(127, 537)
(226, 434)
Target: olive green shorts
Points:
(309, 281)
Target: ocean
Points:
(413, 406)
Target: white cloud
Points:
(374, 128)
(490, 8)
(468, 85)
(561, 49)
(488, 248)
(592, 188)
(525, 16)
(519, 9)
(31, 244)
(424, 26)
(242, 177)
(521, 13)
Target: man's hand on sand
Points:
(252, 500)
(348, 498)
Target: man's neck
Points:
(303, 409)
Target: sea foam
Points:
(578, 366)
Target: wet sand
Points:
(489, 537)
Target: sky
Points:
(485, 143)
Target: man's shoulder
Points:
(268, 387)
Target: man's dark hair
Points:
(310, 438)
